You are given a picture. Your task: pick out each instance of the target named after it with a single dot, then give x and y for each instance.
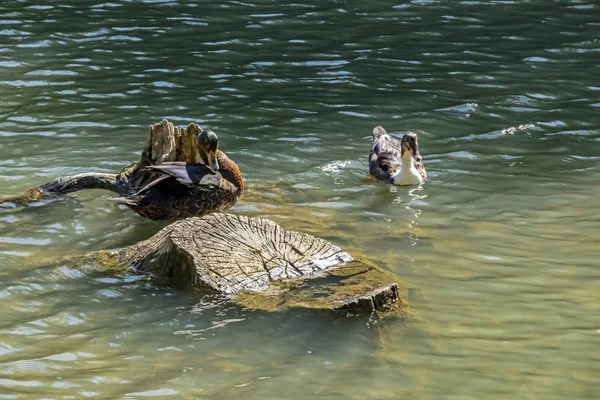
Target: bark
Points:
(261, 265)
(165, 142)
(67, 184)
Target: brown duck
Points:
(183, 190)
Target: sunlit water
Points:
(502, 241)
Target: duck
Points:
(396, 161)
(182, 190)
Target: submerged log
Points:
(260, 265)
(165, 142)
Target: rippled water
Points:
(502, 241)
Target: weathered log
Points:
(68, 184)
(165, 142)
(260, 265)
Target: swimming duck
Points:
(396, 161)
(183, 190)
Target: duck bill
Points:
(212, 161)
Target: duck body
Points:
(183, 190)
(396, 161)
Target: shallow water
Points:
(502, 241)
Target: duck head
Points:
(208, 144)
(410, 144)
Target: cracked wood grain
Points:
(236, 255)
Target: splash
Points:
(516, 129)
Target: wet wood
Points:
(165, 142)
(261, 265)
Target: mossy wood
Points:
(261, 265)
(165, 142)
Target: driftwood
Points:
(165, 142)
(260, 265)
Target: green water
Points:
(502, 241)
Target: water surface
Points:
(502, 241)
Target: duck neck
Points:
(230, 171)
(407, 160)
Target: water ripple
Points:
(500, 240)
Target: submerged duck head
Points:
(410, 144)
(208, 145)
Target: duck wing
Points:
(180, 177)
(187, 173)
(384, 166)
(378, 131)
(384, 143)
(384, 158)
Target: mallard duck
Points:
(184, 190)
(396, 161)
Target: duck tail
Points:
(378, 131)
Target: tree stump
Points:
(165, 142)
(260, 265)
